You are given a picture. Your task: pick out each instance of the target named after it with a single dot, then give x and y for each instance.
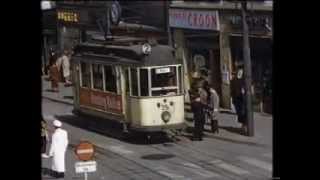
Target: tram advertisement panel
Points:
(101, 100)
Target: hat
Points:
(57, 123)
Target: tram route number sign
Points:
(146, 48)
(85, 167)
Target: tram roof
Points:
(130, 55)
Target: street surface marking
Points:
(229, 167)
(257, 163)
(119, 150)
(165, 171)
(199, 170)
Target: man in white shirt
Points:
(59, 144)
(66, 66)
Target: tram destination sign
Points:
(162, 70)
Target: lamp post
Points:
(247, 70)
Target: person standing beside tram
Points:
(238, 97)
(66, 67)
(198, 98)
(54, 75)
(212, 108)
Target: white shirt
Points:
(58, 149)
(65, 66)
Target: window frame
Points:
(178, 87)
(81, 73)
(103, 80)
(152, 89)
(116, 79)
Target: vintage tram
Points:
(138, 85)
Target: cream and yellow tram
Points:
(139, 86)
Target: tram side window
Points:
(134, 82)
(180, 79)
(127, 80)
(144, 82)
(97, 76)
(85, 75)
(110, 79)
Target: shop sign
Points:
(67, 16)
(194, 19)
(255, 22)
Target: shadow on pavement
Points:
(158, 156)
(233, 129)
(113, 129)
(68, 97)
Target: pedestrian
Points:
(198, 98)
(212, 108)
(44, 138)
(66, 67)
(59, 144)
(54, 76)
(238, 97)
(52, 57)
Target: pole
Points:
(168, 24)
(247, 70)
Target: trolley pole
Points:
(167, 22)
(247, 70)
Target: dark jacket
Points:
(236, 86)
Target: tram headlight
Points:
(165, 116)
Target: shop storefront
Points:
(211, 39)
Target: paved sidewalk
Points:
(229, 127)
(64, 95)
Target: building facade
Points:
(208, 35)
(80, 21)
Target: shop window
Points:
(134, 82)
(97, 76)
(85, 75)
(144, 82)
(110, 79)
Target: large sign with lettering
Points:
(68, 16)
(194, 19)
(257, 23)
(104, 101)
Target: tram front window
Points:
(164, 81)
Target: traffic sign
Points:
(85, 151)
(85, 167)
